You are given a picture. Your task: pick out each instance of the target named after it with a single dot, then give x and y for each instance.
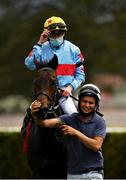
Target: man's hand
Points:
(68, 130)
(35, 106)
(44, 36)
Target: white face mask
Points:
(56, 42)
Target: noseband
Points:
(45, 94)
(53, 106)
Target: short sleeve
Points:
(100, 128)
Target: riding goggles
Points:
(57, 26)
(58, 33)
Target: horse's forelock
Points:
(45, 81)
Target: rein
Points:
(69, 95)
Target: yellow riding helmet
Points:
(55, 23)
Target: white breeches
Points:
(67, 105)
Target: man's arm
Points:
(94, 144)
(54, 122)
(50, 123)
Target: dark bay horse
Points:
(46, 156)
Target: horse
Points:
(46, 155)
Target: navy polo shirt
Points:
(81, 159)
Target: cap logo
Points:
(49, 21)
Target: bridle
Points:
(45, 94)
(53, 106)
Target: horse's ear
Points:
(54, 62)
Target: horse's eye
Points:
(53, 78)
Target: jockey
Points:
(70, 70)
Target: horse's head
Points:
(45, 84)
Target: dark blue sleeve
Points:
(65, 118)
(100, 129)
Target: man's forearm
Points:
(49, 123)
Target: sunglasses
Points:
(57, 26)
